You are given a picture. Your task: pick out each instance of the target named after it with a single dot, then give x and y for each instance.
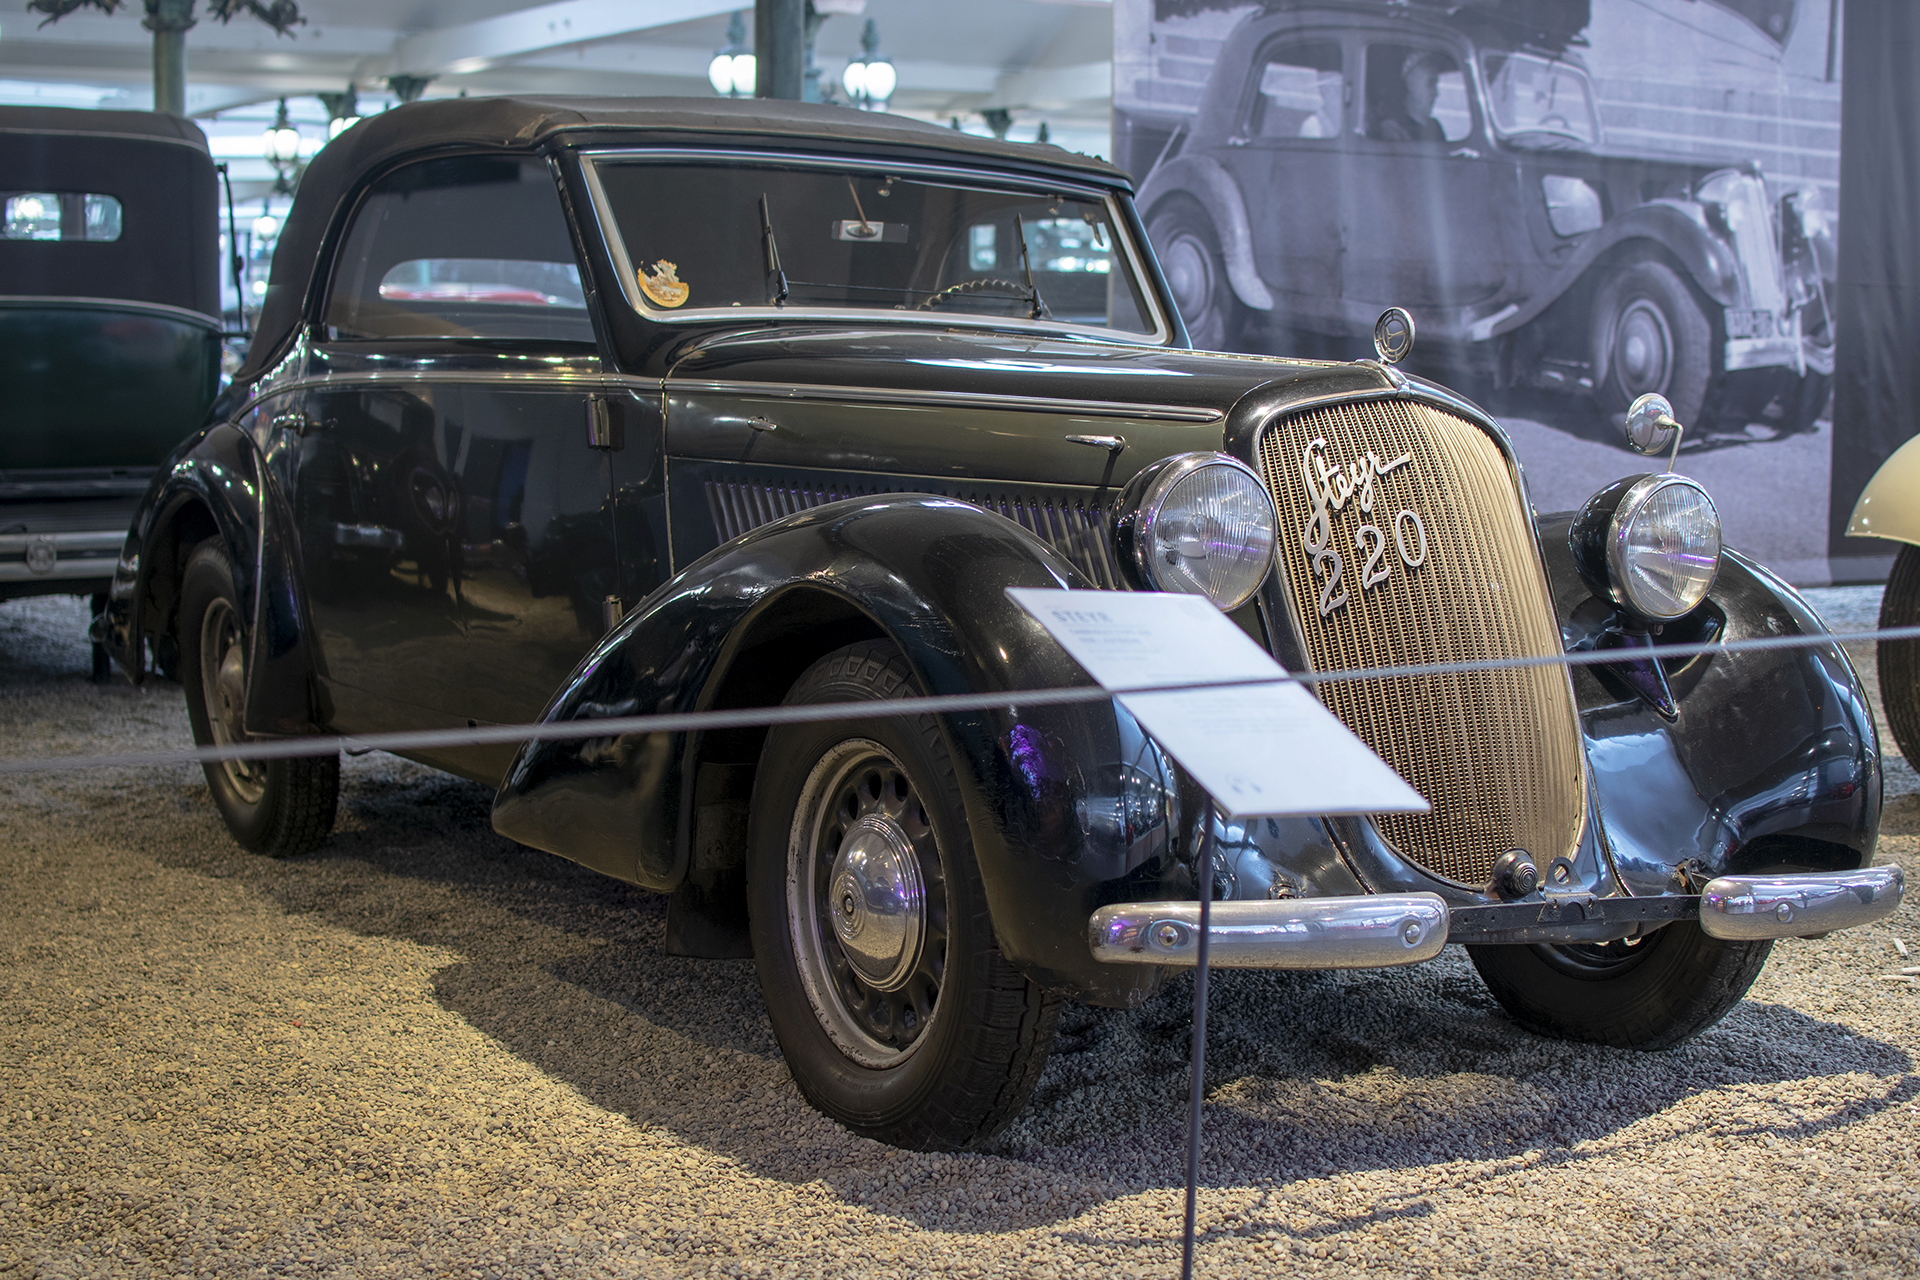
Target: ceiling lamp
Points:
(869, 79)
(732, 71)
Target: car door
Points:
(1427, 200)
(455, 516)
(1289, 159)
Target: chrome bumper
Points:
(1380, 930)
(1751, 908)
(43, 557)
(1370, 932)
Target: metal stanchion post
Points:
(1198, 1072)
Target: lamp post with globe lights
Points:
(869, 79)
(280, 144)
(732, 71)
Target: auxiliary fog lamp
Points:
(1649, 543)
(1198, 523)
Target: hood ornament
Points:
(1393, 335)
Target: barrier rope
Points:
(815, 713)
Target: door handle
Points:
(298, 423)
(1463, 153)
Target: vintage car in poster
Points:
(1349, 155)
(573, 409)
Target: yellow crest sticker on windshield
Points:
(662, 284)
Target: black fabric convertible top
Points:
(157, 167)
(527, 124)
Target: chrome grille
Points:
(1075, 527)
(1498, 752)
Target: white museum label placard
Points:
(1262, 745)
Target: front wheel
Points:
(275, 807)
(1669, 987)
(1651, 334)
(893, 1006)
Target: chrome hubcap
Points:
(223, 687)
(867, 904)
(877, 904)
(1189, 275)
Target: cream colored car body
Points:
(1890, 505)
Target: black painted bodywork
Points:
(767, 492)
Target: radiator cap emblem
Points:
(1393, 335)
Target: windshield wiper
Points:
(1026, 264)
(779, 277)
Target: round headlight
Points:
(1651, 544)
(1199, 523)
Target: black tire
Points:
(1806, 403)
(926, 1037)
(1650, 333)
(275, 807)
(1899, 660)
(1673, 985)
(1189, 251)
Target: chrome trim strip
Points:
(1371, 932)
(770, 390)
(506, 377)
(949, 399)
(1754, 908)
(978, 178)
(200, 318)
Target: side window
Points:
(1302, 92)
(1416, 94)
(460, 248)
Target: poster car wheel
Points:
(1189, 249)
(275, 807)
(893, 1006)
(1650, 335)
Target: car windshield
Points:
(1529, 94)
(697, 237)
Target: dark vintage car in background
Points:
(109, 331)
(569, 409)
(1303, 197)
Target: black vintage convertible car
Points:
(574, 409)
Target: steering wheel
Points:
(973, 286)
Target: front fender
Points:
(1677, 226)
(1062, 802)
(1220, 194)
(1889, 507)
(1773, 760)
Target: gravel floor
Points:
(425, 1051)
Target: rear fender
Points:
(1206, 177)
(208, 488)
(215, 486)
(1062, 802)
